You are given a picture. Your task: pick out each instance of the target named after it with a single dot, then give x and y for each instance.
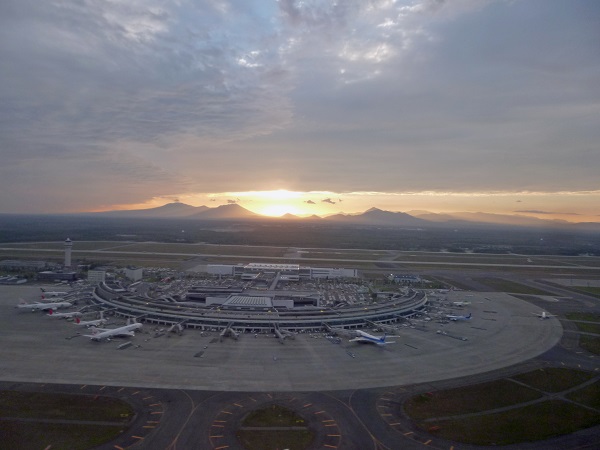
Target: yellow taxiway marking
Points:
(102, 388)
(155, 404)
(221, 448)
(427, 442)
(119, 448)
(156, 412)
(135, 393)
(333, 435)
(308, 404)
(137, 437)
(238, 405)
(148, 426)
(395, 423)
(213, 437)
(220, 426)
(83, 387)
(331, 425)
(409, 433)
(320, 412)
(226, 412)
(223, 421)
(120, 389)
(252, 399)
(146, 398)
(328, 420)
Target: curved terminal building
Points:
(216, 308)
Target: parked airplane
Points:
(102, 333)
(90, 323)
(340, 331)
(543, 315)
(66, 315)
(457, 318)
(52, 293)
(43, 306)
(461, 303)
(229, 332)
(177, 327)
(366, 338)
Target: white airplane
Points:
(52, 293)
(91, 323)
(461, 303)
(366, 338)
(455, 318)
(43, 306)
(177, 327)
(543, 315)
(66, 315)
(102, 333)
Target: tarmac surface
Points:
(192, 391)
(503, 331)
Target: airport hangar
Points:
(218, 308)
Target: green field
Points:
(36, 420)
(554, 379)
(530, 423)
(476, 398)
(265, 429)
(469, 415)
(590, 343)
(502, 285)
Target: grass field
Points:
(554, 379)
(530, 423)
(590, 343)
(472, 399)
(502, 285)
(467, 414)
(262, 430)
(36, 420)
(588, 317)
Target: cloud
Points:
(310, 202)
(233, 201)
(534, 211)
(328, 200)
(144, 99)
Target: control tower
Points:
(68, 247)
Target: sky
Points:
(306, 107)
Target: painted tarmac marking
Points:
(308, 404)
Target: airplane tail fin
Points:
(42, 289)
(469, 316)
(50, 312)
(77, 320)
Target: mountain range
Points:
(371, 217)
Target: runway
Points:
(503, 332)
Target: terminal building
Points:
(289, 272)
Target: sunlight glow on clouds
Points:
(135, 102)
